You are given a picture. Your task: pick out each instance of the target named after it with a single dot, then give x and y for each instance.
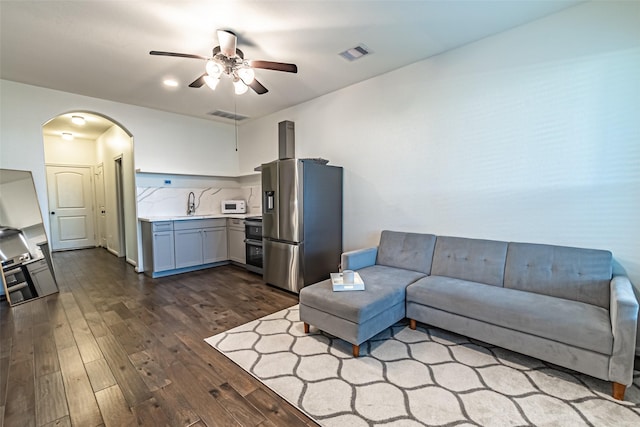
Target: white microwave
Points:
(233, 207)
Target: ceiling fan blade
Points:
(180, 55)
(278, 66)
(198, 82)
(257, 87)
(228, 42)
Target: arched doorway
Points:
(91, 184)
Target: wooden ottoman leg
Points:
(412, 324)
(356, 350)
(306, 327)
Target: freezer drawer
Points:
(283, 265)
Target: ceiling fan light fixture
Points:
(213, 68)
(229, 61)
(246, 73)
(211, 81)
(240, 87)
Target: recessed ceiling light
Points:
(67, 135)
(170, 83)
(78, 120)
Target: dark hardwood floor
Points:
(116, 348)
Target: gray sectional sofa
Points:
(558, 304)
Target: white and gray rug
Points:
(426, 377)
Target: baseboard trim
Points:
(112, 251)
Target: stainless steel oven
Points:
(253, 243)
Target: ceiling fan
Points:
(228, 60)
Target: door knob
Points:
(53, 213)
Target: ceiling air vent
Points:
(228, 115)
(355, 52)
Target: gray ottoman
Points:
(356, 316)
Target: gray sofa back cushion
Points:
(470, 259)
(411, 251)
(571, 273)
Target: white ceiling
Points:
(101, 48)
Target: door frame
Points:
(120, 218)
(99, 187)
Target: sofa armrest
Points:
(624, 322)
(360, 258)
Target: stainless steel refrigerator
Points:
(302, 222)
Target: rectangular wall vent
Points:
(355, 52)
(227, 115)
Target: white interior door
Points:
(70, 207)
(101, 204)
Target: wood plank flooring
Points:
(116, 348)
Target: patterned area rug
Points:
(426, 377)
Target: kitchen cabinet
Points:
(158, 247)
(188, 247)
(236, 236)
(180, 245)
(42, 279)
(32, 279)
(200, 241)
(215, 244)
(16, 284)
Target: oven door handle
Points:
(253, 242)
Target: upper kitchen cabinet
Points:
(27, 270)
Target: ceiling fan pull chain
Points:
(235, 117)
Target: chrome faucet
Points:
(191, 204)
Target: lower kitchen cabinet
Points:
(42, 278)
(236, 236)
(29, 280)
(215, 244)
(200, 241)
(158, 247)
(188, 244)
(172, 247)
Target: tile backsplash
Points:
(167, 201)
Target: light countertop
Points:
(190, 217)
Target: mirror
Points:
(27, 270)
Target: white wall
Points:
(530, 135)
(164, 142)
(78, 151)
(111, 145)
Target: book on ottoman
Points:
(339, 285)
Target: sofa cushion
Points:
(571, 273)
(470, 259)
(411, 251)
(384, 288)
(575, 323)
